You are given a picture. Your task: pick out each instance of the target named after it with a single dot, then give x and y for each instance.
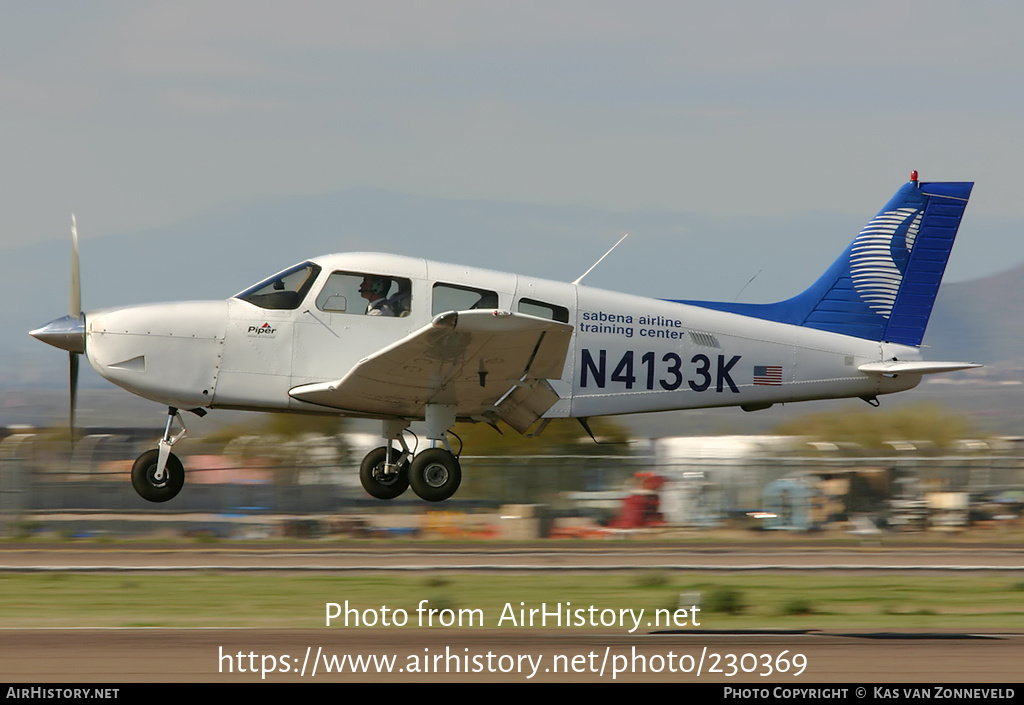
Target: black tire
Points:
(148, 488)
(375, 482)
(435, 474)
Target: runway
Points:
(411, 556)
(417, 655)
(769, 658)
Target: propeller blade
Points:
(75, 310)
(73, 388)
(75, 302)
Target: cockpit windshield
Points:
(285, 290)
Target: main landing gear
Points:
(434, 474)
(157, 474)
(384, 472)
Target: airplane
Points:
(399, 339)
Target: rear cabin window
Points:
(543, 310)
(452, 297)
(366, 294)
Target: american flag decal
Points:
(770, 375)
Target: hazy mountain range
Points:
(981, 319)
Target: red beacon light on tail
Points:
(913, 176)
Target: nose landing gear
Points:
(157, 474)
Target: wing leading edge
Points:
(489, 364)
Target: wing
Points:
(489, 364)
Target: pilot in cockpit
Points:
(374, 290)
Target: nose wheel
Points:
(154, 483)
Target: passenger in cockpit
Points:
(400, 300)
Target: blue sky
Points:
(138, 114)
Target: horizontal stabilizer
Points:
(917, 367)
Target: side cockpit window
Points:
(367, 294)
(451, 297)
(284, 291)
(543, 310)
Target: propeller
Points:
(68, 333)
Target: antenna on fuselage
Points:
(599, 261)
(746, 285)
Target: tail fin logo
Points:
(879, 256)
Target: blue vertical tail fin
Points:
(883, 287)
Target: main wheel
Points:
(435, 474)
(154, 489)
(377, 481)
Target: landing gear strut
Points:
(157, 474)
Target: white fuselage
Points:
(628, 354)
